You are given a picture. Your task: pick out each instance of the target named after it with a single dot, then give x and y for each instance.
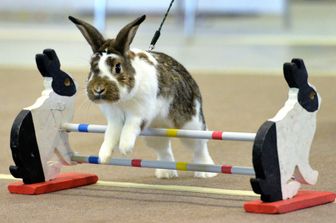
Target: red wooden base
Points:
(62, 182)
(304, 199)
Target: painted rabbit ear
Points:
(299, 63)
(288, 70)
(51, 54)
(295, 73)
(42, 62)
(126, 35)
(301, 76)
(47, 62)
(90, 33)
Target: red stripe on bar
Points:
(227, 169)
(136, 162)
(217, 135)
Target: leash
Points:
(158, 32)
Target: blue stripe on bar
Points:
(83, 127)
(93, 159)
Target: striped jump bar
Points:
(180, 133)
(225, 169)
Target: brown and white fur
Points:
(136, 89)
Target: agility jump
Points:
(281, 146)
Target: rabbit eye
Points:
(117, 68)
(312, 95)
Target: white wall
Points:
(238, 6)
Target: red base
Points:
(303, 199)
(62, 182)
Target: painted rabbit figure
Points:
(136, 89)
(38, 146)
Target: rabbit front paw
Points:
(105, 154)
(126, 144)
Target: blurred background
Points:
(217, 36)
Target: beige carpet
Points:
(231, 103)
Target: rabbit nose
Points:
(99, 89)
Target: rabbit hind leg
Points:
(200, 147)
(162, 147)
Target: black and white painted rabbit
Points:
(282, 145)
(38, 146)
(136, 89)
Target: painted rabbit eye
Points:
(117, 68)
(312, 95)
(67, 82)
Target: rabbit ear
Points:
(126, 35)
(295, 73)
(91, 34)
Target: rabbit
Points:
(137, 89)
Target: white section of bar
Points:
(97, 128)
(181, 133)
(243, 170)
(120, 162)
(70, 127)
(80, 159)
(158, 164)
(204, 168)
(238, 136)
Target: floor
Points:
(231, 103)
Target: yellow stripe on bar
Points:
(182, 166)
(172, 132)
